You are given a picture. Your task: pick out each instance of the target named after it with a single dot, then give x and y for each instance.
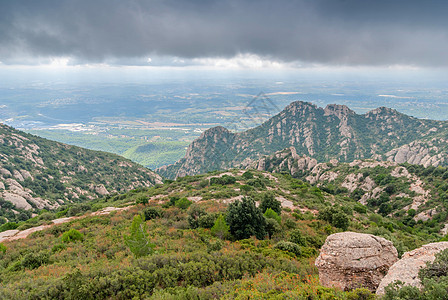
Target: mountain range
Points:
(333, 132)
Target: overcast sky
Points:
(207, 32)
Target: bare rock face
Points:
(406, 269)
(350, 260)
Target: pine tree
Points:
(138, 241)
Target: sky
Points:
(225, 33)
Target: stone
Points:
(349, 260)
(406, 269)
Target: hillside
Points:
(190, 257)
(405, 192)
(36, 174)
(334, 132)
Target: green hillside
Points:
(36, 174)
(186, 250)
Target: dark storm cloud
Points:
(334, 32)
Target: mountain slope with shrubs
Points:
(229, 235)
(37, 174)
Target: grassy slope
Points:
(188, 262)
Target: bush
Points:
(194, 213)
(2, 248)
(335, 216)
(35, 260)
(183, 203)
(8, 226)
(297, 238)
(223, 180)
(142, 200)
(245, 219)
(289, 247)
(72, 235)
(150, 213)
(248, 175)
(207, 220)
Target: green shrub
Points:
(296, 237)
(150, 213)
(289, 247)
(35, 260)
(195, 212)
(72, 235)
(335, 216)
(2, 248)
(8, 226)
(58, 247)
(183, 203)
(248, 175)
(142, 200)
(207, 220)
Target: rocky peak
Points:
(337, 110)
(383, 113)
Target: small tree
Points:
(245, 219)
(220, 228)
(271, 214)
(272, 227)
(138, 241)
(268, 201)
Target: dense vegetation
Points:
(182, 242)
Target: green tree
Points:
(268, 201)
(245, 219)
(138, 241)
(220, 228)
(271, 214)
(272, 227)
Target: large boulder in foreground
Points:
(349, 260)
(406, 269)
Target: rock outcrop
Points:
(350, 260)
(406, 269)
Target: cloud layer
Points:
(328, 32)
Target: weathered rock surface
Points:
(406, 269)
(349, 260)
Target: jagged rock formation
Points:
(36, 173)
(350, 260)
(406, 269)
(361, 179)
(335, 132)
